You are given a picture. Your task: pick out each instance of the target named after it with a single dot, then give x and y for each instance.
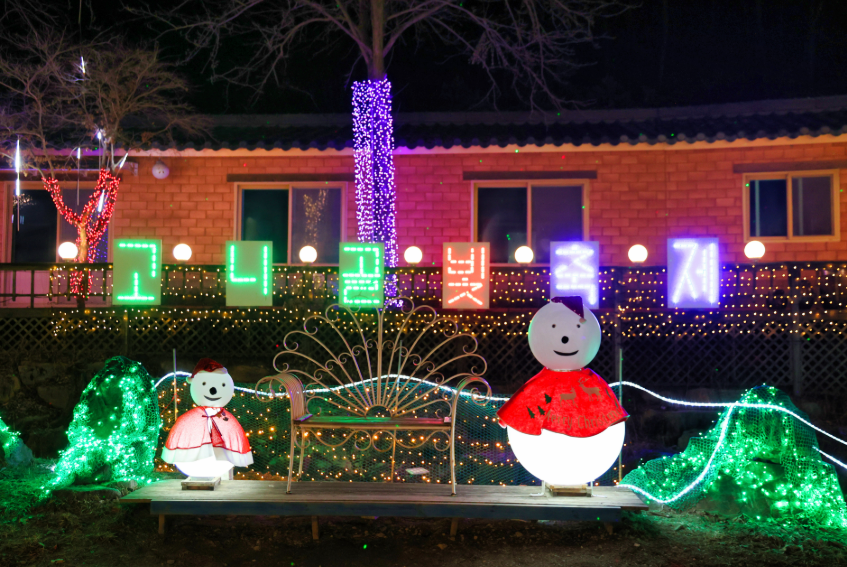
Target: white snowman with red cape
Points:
(565, 425)
(208, 441)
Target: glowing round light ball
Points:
(182, 252)
(160, 170)
(524, 255)
(637, 254)
(754, 249)
(413, 255)
(68, 251)
(308, 254)
(563, 460)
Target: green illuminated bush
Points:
(768, 453)
(115, 428)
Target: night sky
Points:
(662, 53)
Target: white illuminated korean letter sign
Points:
(249, 273)
(137, 272)
(361, 274)
(693, 272)
(465, 275)
(574, 270)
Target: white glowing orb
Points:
(564, 461)
(754, 249)
(68, 251)
(413, 255)
(182, 252)
(308, 254)
(524, 255)
(160, 170)
(637, 254)
(210, 466)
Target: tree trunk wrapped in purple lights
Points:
(373, 150)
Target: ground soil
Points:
(102, 533)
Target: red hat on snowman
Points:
(207, 365)
(572, 302)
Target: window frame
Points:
(476, 186)
(789, 176)
(8, 201)
(290, 186)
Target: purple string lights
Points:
(373, 151)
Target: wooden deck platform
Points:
(268, 498)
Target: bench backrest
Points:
(395, 363)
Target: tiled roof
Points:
(752, 120)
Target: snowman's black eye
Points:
(204, 383)
(577, 326)
(223, 385)
(554, 325)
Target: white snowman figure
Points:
(208, 441)
(565, 424)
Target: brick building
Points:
(767, 170)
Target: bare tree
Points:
(532, 41)
(63, 99)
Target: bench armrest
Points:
(479, 398)
(293, 388)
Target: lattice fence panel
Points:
(824, 356)
(740, 353)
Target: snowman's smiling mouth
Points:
(212, 399)
(566, 353)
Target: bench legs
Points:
(454, 527)
(161, 524)
(291, 458)
(393, 453)
(453, 460)
(315, 533)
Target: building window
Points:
(531, 214)
(36, 238)
(293, 217)
(791, 206)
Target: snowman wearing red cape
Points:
(207, 440)
(565, 424)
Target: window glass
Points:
(501, 220)
(556, 216)
(768, 207)
(34, 239)
(316, 221)
(811, 206)
(264, 216)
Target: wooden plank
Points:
(340, 491)
(788, 166)
(283, 177)
(384, 499)
(398, 509)
(528, 175)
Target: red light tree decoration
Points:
(64, 98)
(91, 223)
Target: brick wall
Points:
(639, 196)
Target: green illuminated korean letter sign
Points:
(249, 273)
(137, 272)
(361, 274)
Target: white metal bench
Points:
(377, 386)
